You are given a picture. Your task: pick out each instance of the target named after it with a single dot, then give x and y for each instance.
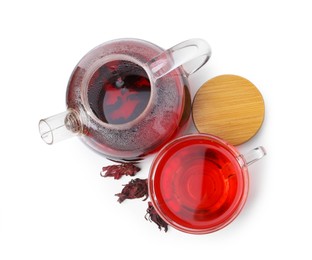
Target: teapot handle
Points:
(192, 54)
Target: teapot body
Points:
(127, 98)
(124, 112)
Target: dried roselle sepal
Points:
(152, 215)
(135, 189)
(117, 171)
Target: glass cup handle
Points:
(192, 54)
(254, 155)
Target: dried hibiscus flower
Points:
(117, 171)
(136, 188)
(152, 215)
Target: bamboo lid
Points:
(230, 107)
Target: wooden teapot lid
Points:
(230, 107)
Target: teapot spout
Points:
(60, 127)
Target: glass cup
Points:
(199, 183)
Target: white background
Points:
(53, 202)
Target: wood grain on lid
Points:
(230, 107)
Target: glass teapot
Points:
(126, 98)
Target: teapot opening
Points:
(119, 91)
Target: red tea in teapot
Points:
(126, 98)
(119, 91)
(120, 94)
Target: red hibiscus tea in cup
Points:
(198, 183)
